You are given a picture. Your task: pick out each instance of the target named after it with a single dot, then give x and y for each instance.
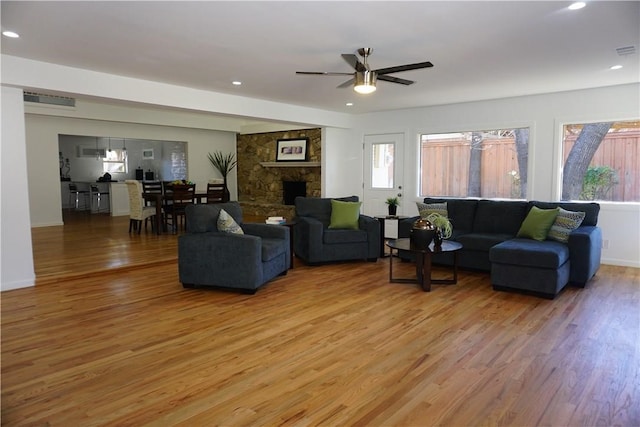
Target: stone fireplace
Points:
(261, 179)
(293, 189)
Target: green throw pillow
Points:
(424, 209)
(565, 223)
(345, 214)
(537, 223)
(227, 224)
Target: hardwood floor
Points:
(109, 337)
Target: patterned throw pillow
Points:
(227, 224)
(424, 209)
(565, 223)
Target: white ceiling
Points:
(480, 50)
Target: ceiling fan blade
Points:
(404, 68)
(396, 80)
(353, 61)
(347, 83)
(323, 73)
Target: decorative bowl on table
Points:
(422, 232)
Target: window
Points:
(115, 161)
(488, 164)
(601, 161)
(382, 165)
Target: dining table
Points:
(158, 201)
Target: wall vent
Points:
(92, 152)
(41, 98)
(627, 50)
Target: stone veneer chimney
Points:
(260, 188)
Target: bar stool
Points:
(95, 192)
(75, 193)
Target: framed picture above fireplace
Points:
(292, 150)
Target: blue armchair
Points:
(315, 243)
(244, 262)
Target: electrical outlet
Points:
(605, 244)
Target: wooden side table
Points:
(381, 220)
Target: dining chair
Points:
(215, 193)
(137, 209)
(151, 187)
(181, 196)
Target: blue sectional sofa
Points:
(488, 232)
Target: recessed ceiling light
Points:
(615, 67)
(10, 34)
(236, 83)
(349, 104)
(577, 5)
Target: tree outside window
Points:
(602, 161)
(488, 164)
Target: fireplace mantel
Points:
(290, 164)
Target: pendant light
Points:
(109, 144)
(97, 150)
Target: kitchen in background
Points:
(85, 160)
(89, 158)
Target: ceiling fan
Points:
(365, 78)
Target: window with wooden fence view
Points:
(602, 161)
(487, 164)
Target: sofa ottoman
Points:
(530, 266)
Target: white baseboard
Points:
(25, 283)
(620, 262)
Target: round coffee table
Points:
(423, 262)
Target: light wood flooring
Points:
(108, 337)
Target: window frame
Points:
(558, 160)
(531, 125)
(124, 162)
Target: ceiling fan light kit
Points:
(365, 82)
(364, 79)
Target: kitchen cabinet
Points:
(119, 199)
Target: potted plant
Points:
(393, 203)
(224, 163)
(444, 229)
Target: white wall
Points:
(342, 163)
(36, 75)
(16, 258)
(544, 115)
(42, 155)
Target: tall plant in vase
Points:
(224, 163)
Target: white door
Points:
(383, 170)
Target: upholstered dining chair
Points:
(137, 210)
